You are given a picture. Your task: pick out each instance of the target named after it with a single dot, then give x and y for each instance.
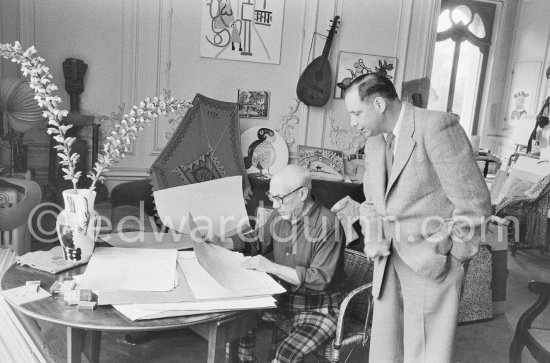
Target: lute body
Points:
(315, 84)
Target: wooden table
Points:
(217, 328)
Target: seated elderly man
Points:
(307, 243)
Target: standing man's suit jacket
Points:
(435, 197)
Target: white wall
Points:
(531, 43)
(136, 49)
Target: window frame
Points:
(459, 33)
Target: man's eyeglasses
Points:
(281, 199)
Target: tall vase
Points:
(78, 225)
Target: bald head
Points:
(291, 177)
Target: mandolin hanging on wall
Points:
(315, 83)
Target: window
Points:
(464, 32)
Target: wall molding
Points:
(164, 65)
(403, 41)
(309, 27)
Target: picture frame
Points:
(353, 65)
(253, 104)
(322, 163)
(523, 95)
(248, 30)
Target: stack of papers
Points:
(197, 292)
(51, 261)
(157, 283)
(153, 240)
(152, 282)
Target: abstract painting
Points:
(353, 65)
(253, 104)
(246, 30)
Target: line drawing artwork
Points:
(246, 30)
(353, 65)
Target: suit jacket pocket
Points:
(424, 260)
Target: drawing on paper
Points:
(249, 30)
(253, 104)
(353, 65)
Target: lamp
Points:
(20, 111)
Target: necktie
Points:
(390, 138)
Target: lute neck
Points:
(330, 37)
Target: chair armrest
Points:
(527, 318)
(343, 310)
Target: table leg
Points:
(216, 343)
(95, 345)
(220, 333)
(75, 338)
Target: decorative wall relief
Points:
(353, 65)
(289, 122)
(349, 140)
(253, 104)
(107, 123)
(249, 30)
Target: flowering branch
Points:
(117, 142)
(40, 81)
(125, 131)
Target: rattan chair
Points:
(353, 327)
(537, 340)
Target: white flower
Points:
(116, 143)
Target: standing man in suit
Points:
(426, 202)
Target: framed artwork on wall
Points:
(253, 104)
(521, 106)
(353, 65)
(321, 163)
(526, 79)
(245, 30)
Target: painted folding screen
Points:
(205, 146)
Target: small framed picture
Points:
(322, 163)
(353, 65)
(253, 104)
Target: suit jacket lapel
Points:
(405, 146)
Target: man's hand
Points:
(226, 243)
(377, 250)
(259, 263)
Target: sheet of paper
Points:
(523, 129)
(134, 312)
(347, 211)
(112, 268)
(222, 265)
(51, 261)
(153, 240)
(25, 294)
(217, 205)
(142, 311)
(205, 287)
(182, 292)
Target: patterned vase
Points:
(78, 225)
